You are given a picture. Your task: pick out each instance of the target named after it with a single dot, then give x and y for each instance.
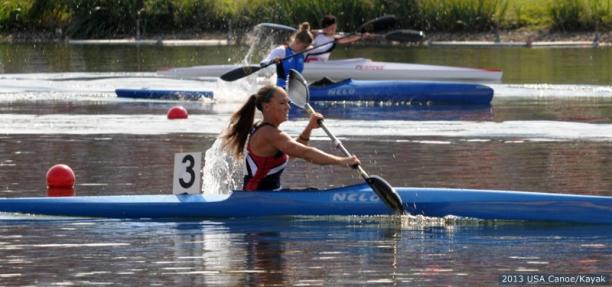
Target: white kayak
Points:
(358, 69)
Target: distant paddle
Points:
(299, 95)
(373, 26)
(278, 33)
(276, 27)
(400, 35)
(404, 36)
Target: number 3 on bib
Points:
(187, 168)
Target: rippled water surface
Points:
(549, 129)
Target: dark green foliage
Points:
(121, 18)
(103, 18)
(577, 15)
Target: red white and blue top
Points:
(263, 172)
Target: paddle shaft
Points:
(402, 35)
(381, 187)
(337, 142)
(307, 50)
(241, 72)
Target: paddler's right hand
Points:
(351, 161)
(315, 120)
(275, 61)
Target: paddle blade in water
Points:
(298, 89)
(386, 193)
(405, 36)
(379, 24)
(239, 73)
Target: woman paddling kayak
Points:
(298, 43)
(267, 147)
(327, 39)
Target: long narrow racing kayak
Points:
(350, 200)
(358, 69)
(405, 91)
(349, 90)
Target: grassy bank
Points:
(120, 18)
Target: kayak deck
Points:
(447, 93)
(358, 69)
(351, 200)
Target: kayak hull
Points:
(358, 69)
(404, 91)
(350, 90)
(164, 94)
(364, 69)
(350, 200)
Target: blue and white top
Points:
(282, 69)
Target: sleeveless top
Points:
(263, 172)
(282, 69)
(321, 54)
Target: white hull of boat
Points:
(358, 69)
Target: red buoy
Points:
(60, 176)
(177, 112)
(60, 191)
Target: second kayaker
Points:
(268, 148)
(327, 39)
(298, 43)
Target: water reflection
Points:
(140, 164)
(399, 111)
(291, 251)
(241, 252)
(520, 65)
(62, 57)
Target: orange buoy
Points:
(177, 112)
(60, 176)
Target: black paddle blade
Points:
(239, 73)
(405, 36)
(298, 89)
(271, 27)
(379, 24)
(387, 193)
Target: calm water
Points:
(549, 129)
(520, 65)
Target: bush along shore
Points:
(495, 21)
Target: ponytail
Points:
(304, 35)
(241, 122)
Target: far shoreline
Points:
(588, 39)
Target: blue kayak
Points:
(148, 94)
(402, 91)
(350, 200)
(444, 93)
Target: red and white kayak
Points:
(358, 69)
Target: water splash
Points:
(261, 40)
(222, 173)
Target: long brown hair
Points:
(304, 35)
(241, 122)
